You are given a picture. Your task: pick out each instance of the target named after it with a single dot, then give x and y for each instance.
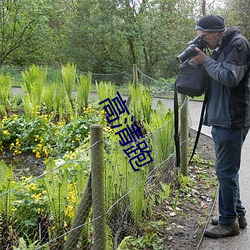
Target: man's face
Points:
(211, 38)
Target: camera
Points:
(190, 51)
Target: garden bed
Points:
(178, 221)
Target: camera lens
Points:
(190, 51)
(187, 53)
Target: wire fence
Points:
(160, 87)
(35, 203)
(58, 209)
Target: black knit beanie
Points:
(211, 23)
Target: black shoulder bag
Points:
(191, 81)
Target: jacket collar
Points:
(231, 32)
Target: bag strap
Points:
(199, 127)
(176, 126)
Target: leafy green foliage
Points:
(105, 90)
(23, 245)
(83, 91)
(161, 126)
(68, 74)
(6, 184)
(141, 103)
(147, 241)
(57, 188)
(104, 36)
(34, 81)
(5, 90)
(43, 137)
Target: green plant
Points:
(6, 184)
(30, 208)
(141, 103)
(164, 191)
(184, 181)
(23, 134)
(147, 241)
(62, 104)
(83, 91)
(29, 245)
(160, 132)
(56, 187)
(58, 102)
(48, 98)
(122, 182)
(68, 74)
(34, 81)
(5, 90)
(136, 187)
(176, 199)
(6, 204)
(43, 137)
(105, 90)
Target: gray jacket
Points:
(228, 103)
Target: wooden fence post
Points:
(135, 74)
(80, 218)
(98, 194)
(135, 82)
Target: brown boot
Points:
(221, 231)
(241, 219)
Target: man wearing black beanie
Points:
(228, 112)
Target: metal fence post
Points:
(184, 135)
(98, 195)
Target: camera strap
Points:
(176, 127)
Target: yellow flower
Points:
(69, 211)
(31, 187)
(14, 209)
(38, 156)
(73, 199)
(17, 152)
(45, 151)
(37, 196)
(6, 132)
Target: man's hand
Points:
(200, 58)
